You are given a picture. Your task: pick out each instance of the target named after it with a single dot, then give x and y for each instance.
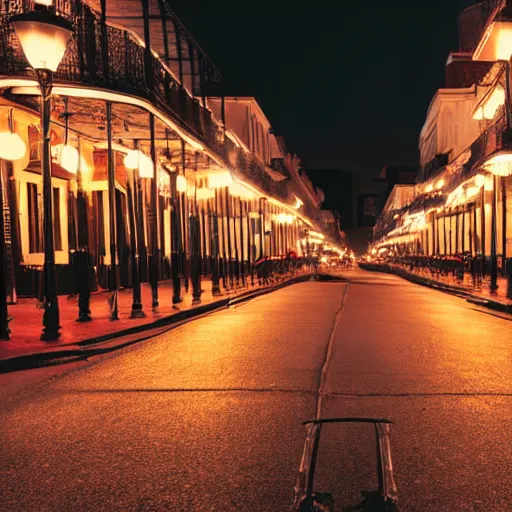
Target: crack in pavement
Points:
(328, 353)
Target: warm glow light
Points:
(479, 180)
(491, 105)
(316, 234)
(219, 179)
(298, 203)
(68, 158)
(136, 159)
(429, 188)
(12, 146)
(238, 190)
(181, 183)
(471, 192)
(44, 38)
(203, 194)
(440, 184)
(500, 164)
(504, 43)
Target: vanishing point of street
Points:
(208, 416)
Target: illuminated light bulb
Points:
(43, 37)
(69, 158)
(440, 184)
(429, 188)
(479, 180)
(132, 159)
(181, 183)
(136, 159)
(500, 164)
(12, 146)
(203, 194)
(504, 43)
(281, 218)
(220, 179)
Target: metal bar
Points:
(493, 252)
(112, 208)
(82, 267)
(4, 318)
(153, 218)
(229, 247)
(242, 252)
(51, 318)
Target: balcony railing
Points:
(110, 58)
(494, 138)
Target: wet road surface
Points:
(207, 416)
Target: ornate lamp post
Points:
(44, 38)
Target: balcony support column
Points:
(112, 208)
(153, 219)
(494, 257)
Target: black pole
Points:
(153, 218)
(214, 245)
(262, 225)
(51, 318)
(175, 241)
(250, 242)
(195, 235)
(236, 265)
(229, 247)
(134, 213)
(504, 224)
(184, 222)
(222, 237)
(111, 170)
(4, 317)
(494, 257)
(242, 253)
(84, 313)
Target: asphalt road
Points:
(207, 417)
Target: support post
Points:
(214, 245)
(51, 317)
(494, 258)
(153, 218)
(228, 223)
(84, 313)
(4, 318)
(195, 243)
(133, 208)
(242, 253)
(111, 173)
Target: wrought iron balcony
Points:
(110, 58)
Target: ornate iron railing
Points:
(110, 58)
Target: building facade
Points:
(462, 202)
(153, 174)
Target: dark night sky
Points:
(348, 86)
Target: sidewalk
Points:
(26, 325)
(497, 301)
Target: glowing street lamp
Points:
(44, 38)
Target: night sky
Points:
(348, 86)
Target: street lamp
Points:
(44, 38)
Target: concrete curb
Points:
(93, 346)
(453, 290)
